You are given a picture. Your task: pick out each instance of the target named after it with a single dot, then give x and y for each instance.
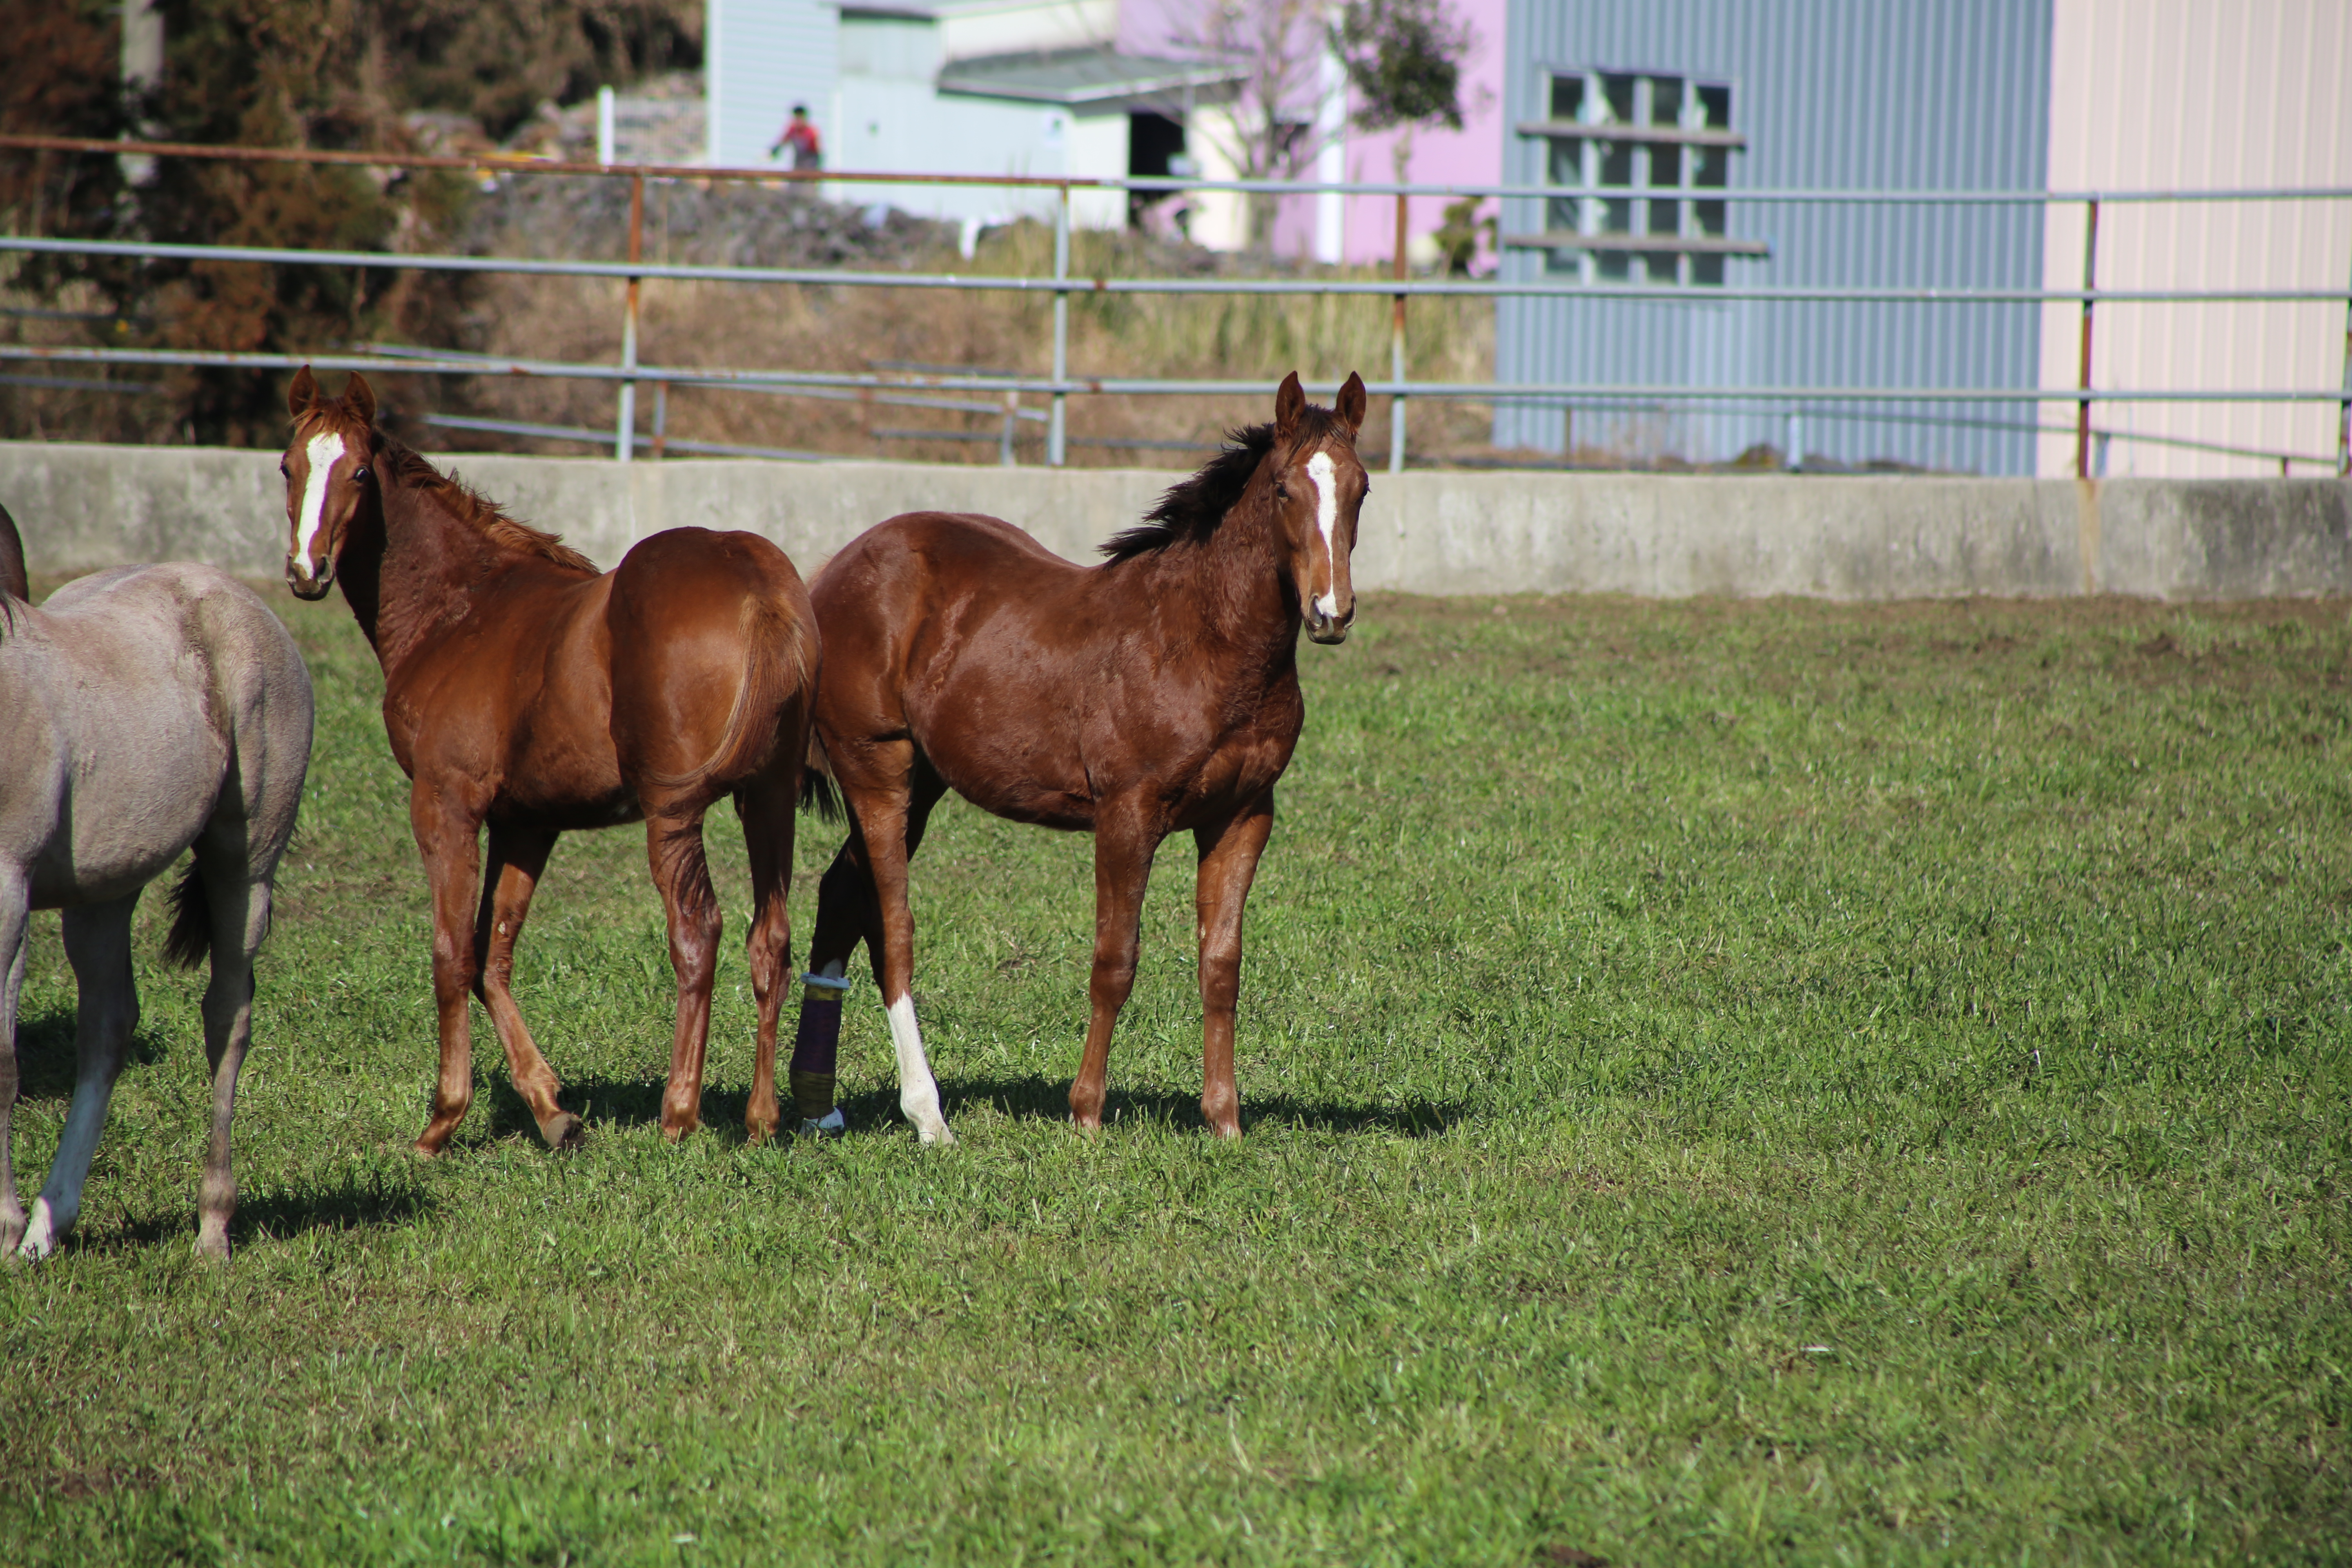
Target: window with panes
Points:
(1655, 150)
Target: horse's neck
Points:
(418, 577)
(1235, 582)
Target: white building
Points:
(1034, 87)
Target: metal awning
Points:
(1088, 78)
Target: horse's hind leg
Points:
(767, 804)
(674, 850)
(98, 945)
(518, 857)
(14, 910)
(236, 904)
(892, 789)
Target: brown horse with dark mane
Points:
(1154, 694)
(527, 691)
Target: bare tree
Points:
(1270, 129)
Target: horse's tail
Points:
(818, 792)
(780, 660)
(191, 939)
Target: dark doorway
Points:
(1153, 143)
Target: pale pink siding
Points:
(1470, 156)
(2200, 94)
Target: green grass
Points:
(1723, 1082)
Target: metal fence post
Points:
(1396, 351)
(1058, 428)
(2083, 406)
(624, 432)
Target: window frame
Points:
(1623, 212)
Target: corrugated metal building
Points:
(1704, 97)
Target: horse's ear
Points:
(302, 393)
(1289, 403)
(359, 398)
(1350, 406)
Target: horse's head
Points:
(330, 477)
(1318, 487)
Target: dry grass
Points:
(852, 330)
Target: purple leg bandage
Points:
(815, 1045)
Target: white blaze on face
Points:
(1325, 478)
(324, 452)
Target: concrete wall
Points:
(81, 506)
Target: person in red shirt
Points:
(801, 136)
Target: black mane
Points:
(1191, 508)
(14, 582)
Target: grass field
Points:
(1724, 1082)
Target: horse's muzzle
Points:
(309, 587)
(1328, 629)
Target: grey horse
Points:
(144, 712)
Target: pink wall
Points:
(2182, 95)
(1472, 155)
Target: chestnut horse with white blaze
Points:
(1154, 694)
(525, 691)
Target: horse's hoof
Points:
(674, 1132)
(41, 1235)
(822, 1129)
(564, 1131)
(213, 1248)
(943, 1137)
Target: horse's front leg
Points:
(98, 945)
(15, 917)
(518, 857)
(1229, 856)
(1124, 843)
(448, 835)
(674, 848)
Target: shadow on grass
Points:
(355, 1202)
(47, 1061)
(1038, 1098)
(601, 1100)
(637, 1104)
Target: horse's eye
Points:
(1281, 491)
(359, 476)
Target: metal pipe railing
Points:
(526, 163)
(1061, 284)
(1131, 386)
(1065, 285)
